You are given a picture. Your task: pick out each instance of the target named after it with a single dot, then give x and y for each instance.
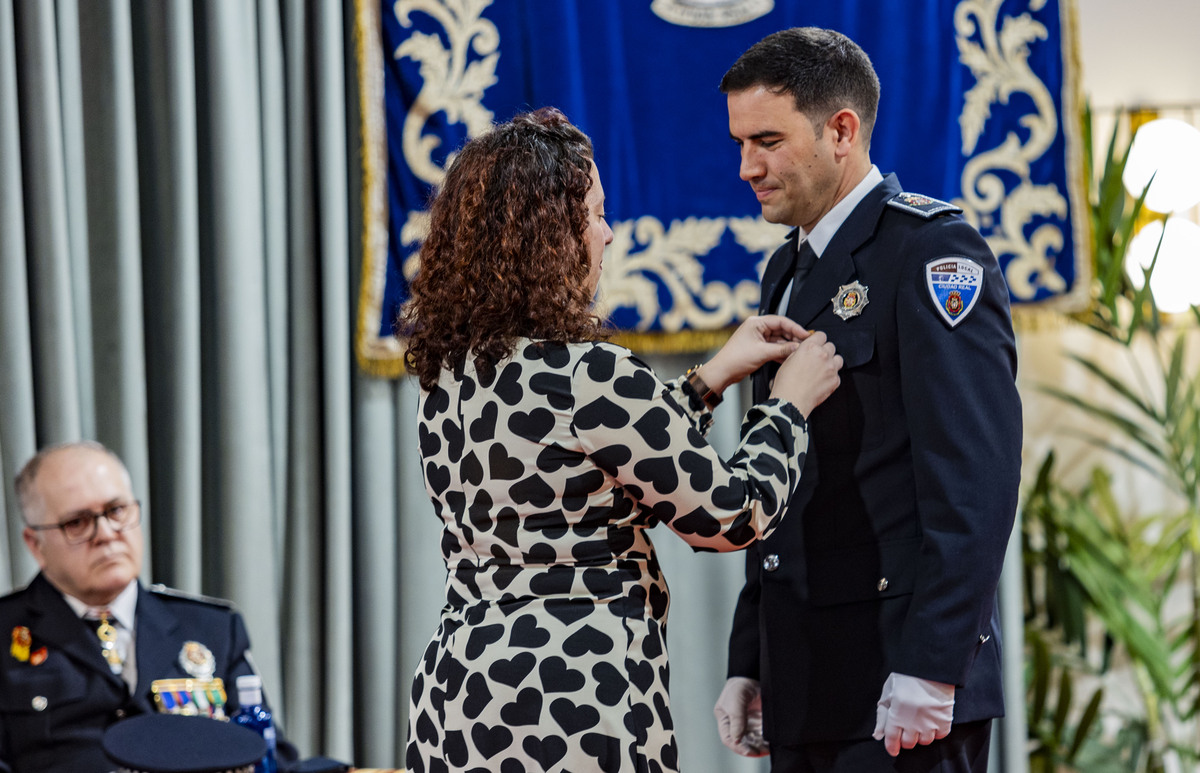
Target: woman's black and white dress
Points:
(551, 649)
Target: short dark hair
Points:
(823, 70)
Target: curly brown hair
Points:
(506, 254)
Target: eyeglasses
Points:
(83, 525)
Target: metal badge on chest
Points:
(850, 300)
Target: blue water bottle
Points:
(252, 714)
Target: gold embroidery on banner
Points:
(672, 256)
(999, 60)
(757, 236)
(451, 83)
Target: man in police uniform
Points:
(867, 635)
(65, 678)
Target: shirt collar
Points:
(826, 227)
(123, 608)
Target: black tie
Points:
(806, 258)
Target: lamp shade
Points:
(1175, 281)
(1169, 151)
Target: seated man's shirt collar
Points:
(122, 609)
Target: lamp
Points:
(1168, 150)
(1175, 280)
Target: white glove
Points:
(913, 711)
(739, 717)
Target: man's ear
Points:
(34, 544)
(846, 127)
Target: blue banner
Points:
(978, 107)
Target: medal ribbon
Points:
(107, 633)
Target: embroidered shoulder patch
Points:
(954, 284)
(921, 206)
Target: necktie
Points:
(806, 258)
(107, 633)
(802, 263)
(774, 304)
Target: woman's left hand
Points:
(758, 340)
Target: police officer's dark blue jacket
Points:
(54, 708)
(889, 556)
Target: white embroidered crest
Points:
(197, 660)
(954, 284)
(710, 13)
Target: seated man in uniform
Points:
(86, 638)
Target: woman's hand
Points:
(809, 375)
(758, 340)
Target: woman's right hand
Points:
(809, 374)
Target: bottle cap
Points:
(249, 687)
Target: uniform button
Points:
(983, 638)
(40, 703)
(882, 584)
(771, 563)
(120, 713)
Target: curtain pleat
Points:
(240, 503)
(305, 635)
(332, 160)
(113, 238)
(165, 87)
(74, 180)
(58, 279)
(375, 607)
(274, 123)
(18, 435)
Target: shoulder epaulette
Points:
(175, 593)
(921, 206)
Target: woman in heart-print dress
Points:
(549, 452)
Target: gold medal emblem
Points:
(850, 300)
(107, 633)
(197, 660)
(22, 640)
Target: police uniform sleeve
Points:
(4, 768)
(958, 370)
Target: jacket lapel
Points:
(777, 271)
(156, 651)
(836, 266)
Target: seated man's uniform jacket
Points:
(53, 714)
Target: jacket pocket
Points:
(31, 696)
(850, 419)
(865, 573)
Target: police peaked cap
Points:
(173, 743)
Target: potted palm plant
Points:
(1113, 594)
